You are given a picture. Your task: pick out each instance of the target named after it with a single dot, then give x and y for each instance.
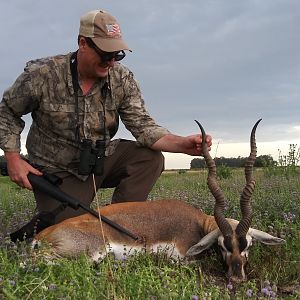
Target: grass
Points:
(273, 271)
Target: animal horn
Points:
(246, 210)
(214, 188)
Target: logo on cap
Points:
(113, 30)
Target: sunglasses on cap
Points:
(106, 56)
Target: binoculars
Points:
(91, 157)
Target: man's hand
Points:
(191, 144)
(18, 169)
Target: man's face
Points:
(100, 60)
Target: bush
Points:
(181, 171)
(287, 164)
(224, 172)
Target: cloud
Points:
(294, 129)
(225, 63)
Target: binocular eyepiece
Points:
(91, 157)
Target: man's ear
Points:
(81, 41)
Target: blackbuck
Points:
(174, 226)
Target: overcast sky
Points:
(224, 63)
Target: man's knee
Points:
(141, 176)
(156, 159)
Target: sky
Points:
(224, 63)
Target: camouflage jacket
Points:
(46, 91)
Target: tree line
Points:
(234, 162)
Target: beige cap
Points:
(103, 29)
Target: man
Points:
(75, 101)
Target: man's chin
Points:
(102, 72)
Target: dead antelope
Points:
(180, 229)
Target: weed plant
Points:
(287, 165)
(224, 172)
(273, 271)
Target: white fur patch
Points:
(169, 249)
(121, 251)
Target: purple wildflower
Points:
(12, 282)
(230, 286)
(51, 286)
(249, 293)
(265, 291)
(289, 217)
(195, 297)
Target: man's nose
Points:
(111, 62)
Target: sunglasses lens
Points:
(106, 56)
(119, 55)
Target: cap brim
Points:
(110, 45)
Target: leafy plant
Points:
(181, 171)
(287, 164)
(224, 172)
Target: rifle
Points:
(48, 184)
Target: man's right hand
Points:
(18, 169)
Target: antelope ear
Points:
(204, 243)
(264, 237)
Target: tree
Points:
(234, 162)
(264, 161)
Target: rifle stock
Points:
(3, 169)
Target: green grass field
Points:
(273, 271)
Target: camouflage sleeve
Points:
(135, 116)
(17, 101)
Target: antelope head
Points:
(233, 237)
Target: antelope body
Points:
(170, 225)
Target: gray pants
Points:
(132, 170)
